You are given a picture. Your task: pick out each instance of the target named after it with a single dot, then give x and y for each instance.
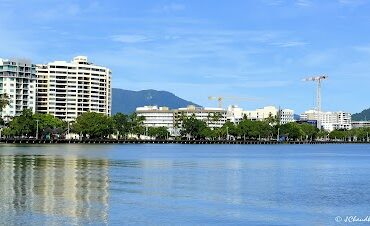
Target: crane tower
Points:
(220, 99)
(317, 79)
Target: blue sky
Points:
(258, 49)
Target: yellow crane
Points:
(220, 99)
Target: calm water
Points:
(183, 184)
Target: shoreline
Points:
(111, 141)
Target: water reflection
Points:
(58, 189)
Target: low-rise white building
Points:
(214, 117)
(234, 114)
(171, 118)
(361, 124)
(261, 113)
(286, 116)
(156, 116)
(283, 115)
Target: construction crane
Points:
(317, 79)
(220, 99)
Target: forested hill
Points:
(362, 116)
(126, 101)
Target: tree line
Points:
(121, 126)
(268, 129)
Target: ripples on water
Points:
(183, 184)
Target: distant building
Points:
(311, 122)
(329, 120)
(261, 113)
(156, 116)
(286, 116)
(163, 117)
(234, 114)
(68, 89)
(361, 124)
(283, 115)
(18, 81)
(214, 117)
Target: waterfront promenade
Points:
(131, 141)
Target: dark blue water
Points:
(183, 184)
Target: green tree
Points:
(4, 101)
(323, 134)
(361, 133)
(48, 124)
(310, 131)
(192, 127)
(136, 124)
(338, 134)
(122, 124)
(158, 132)
(230, 129)
(254, 129)
(245, 128)
(22, 125)
(49, 121)
(263, 128)
(292, 130)
(272, 120)
(96, 125)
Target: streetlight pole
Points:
(68, 131)
(37, 129)
(227, 133)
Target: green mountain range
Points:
(126, 101)
(362, 116)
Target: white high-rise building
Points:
(329, 120)
(68, 89)
(18, 81)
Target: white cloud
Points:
(290, 44)
(352, 2)
(363, 49)
(303, 3)
(130, 38)
(171, 7)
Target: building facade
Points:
(18, 82)
(261, 113)
(214, 117)
(329, 121)
(361, 124)
(234, 114)
(283, 115)
(172, 119)
(286, 116)
(68, 89)
(156, 116)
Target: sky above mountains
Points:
(258, 49)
